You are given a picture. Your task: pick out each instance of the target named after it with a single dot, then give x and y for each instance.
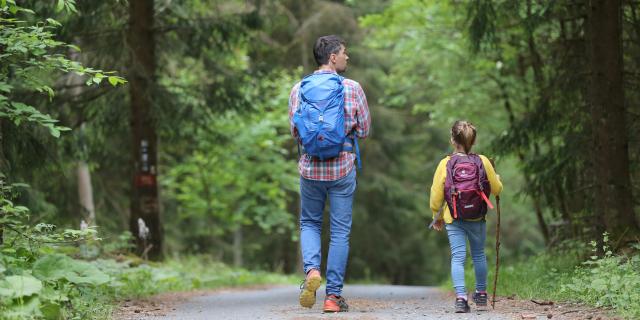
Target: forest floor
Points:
(366, 302)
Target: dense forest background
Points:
(190, 131)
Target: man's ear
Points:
(333, 58)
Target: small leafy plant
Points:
(608, 281)
(36, 280)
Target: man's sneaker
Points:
(480, 299)
(333, 303)
(308, 288)
(462, 306)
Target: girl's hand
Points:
(438, 225)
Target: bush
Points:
(611, 281)
(608, 281)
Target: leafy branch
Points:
(29, 57)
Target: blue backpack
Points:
(319, 118)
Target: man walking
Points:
(328, 114)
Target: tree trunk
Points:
(237, 247)
(610, 156)
(85, 189)
(85, 193)
(141, 76)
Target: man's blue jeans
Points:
(313, 195)
(476, 232)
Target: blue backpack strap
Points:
(298, 139)
(354, 144)
(355, 141)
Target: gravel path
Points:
(366, 302)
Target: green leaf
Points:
(98, 78)
(51, 311)
(60, 5)
(26, 309)
(19, 286)
(87, 273)
(51, 294)
(26, 10)
(114, 81)
(57, 266)
(5, 87)
(74, 47)
(51, 267)
(54, 132)
(54, 22)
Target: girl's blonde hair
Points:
(463, 133)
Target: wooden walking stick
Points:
(495, 276)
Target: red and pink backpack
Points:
(466, 187)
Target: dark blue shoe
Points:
(462, 306)
(480, 299)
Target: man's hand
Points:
(438, 225)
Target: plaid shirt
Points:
(356, 119)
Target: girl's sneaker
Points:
(462, 306)
(480, 299)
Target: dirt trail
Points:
(367, 302)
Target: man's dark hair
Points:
(325, 46)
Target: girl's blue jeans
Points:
(313, 195)
(459, 231)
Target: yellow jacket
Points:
(437, 189)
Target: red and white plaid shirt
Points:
(356, 120)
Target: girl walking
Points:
(464, 181)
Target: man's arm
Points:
(363, 117)
(293, 106)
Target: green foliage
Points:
(30, 54)
(608, 281)
(33, 278)
(537, 277)
(430, 68)
(38, 281)
(57, 267)
(541, 45)
(180, 274)
(19, 286)
(238, 172)
(559, 275)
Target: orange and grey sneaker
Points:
(333, 303)
(308, 288)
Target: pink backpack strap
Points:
(484, 196)
(455, 207)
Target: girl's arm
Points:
(494, 179)
(437, 188)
